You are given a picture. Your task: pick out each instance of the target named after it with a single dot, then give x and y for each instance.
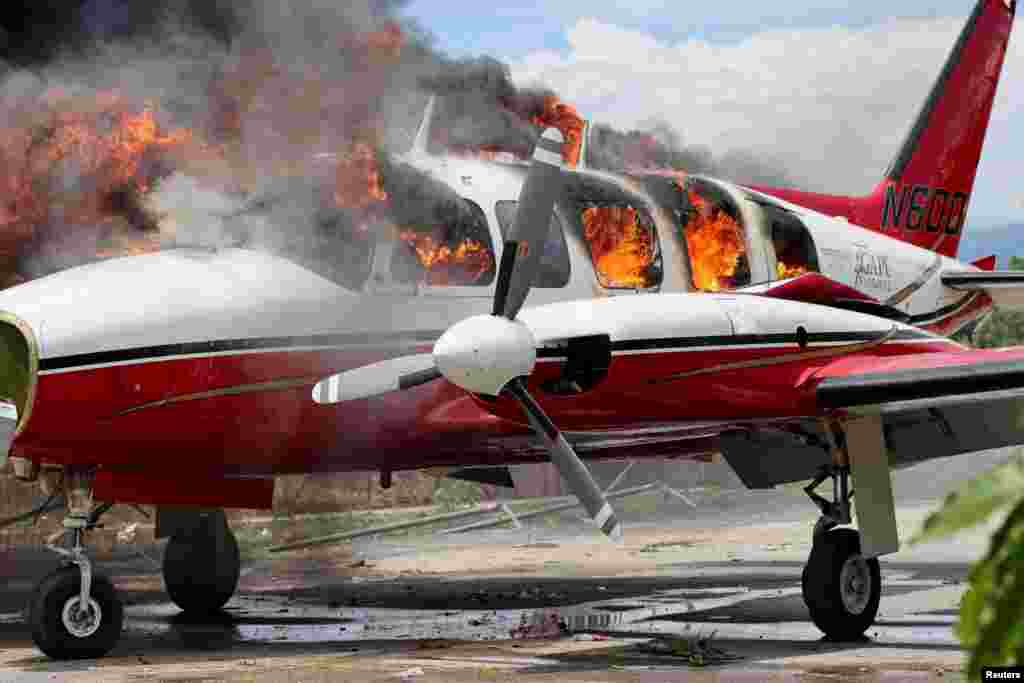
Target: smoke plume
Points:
(255, 122)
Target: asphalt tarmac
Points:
(710, 592)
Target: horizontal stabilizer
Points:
(1005, 287)
(987, 263)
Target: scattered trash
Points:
(546, 624)
(590, 636)
(411, 673)
(698, 651)
(127, 533)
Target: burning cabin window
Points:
(449, 246)
(554, 262)
(715, 240)
(794, 249)
(622, 245)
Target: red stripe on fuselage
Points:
(87, 416)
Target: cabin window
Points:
(554, 261)
(794, 249)
(715, 239)
(623, 244)
(449, 245)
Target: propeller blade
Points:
(393, 374)
(569, 465)
(521, 254)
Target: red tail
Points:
(924, 195)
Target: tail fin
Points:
(924, 195)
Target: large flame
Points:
(569, 123)
(715, 243)
(444, 264)
(358, 182)
(619, 245)
(76, 161)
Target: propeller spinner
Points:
(490, 354)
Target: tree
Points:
(1003, 328)
(991, 623)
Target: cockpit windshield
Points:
(416, 231)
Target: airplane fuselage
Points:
(203, 360)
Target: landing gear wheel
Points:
(62, 629)
(841, 587)
(202, 566)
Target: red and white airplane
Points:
(188, 378)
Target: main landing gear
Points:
(74, 613)
(202, 563)
(841, 587)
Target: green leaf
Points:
(975, 501)
(1007, 602)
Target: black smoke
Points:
(277, 84)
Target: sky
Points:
(828, 90)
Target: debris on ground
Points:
(411, 673)
(547, 624)
(698, 650)
(127, 533)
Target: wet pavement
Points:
(695, 599)
(291, 619)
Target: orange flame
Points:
(784, 270)
(110, 146)
(619, 246)
(567, 120)
(358, 182)
(715, 243)
(464, 264)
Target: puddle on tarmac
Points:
(253, 619)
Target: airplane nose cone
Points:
(483, 353)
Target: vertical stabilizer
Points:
(924, 196)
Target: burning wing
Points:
(935, 404)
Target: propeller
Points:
(491, 354)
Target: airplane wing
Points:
(815, 288)
(1005, 287)
(932, 405)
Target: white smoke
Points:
(832, 104)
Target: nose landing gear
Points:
(841, 587)
(74, 613)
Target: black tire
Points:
(821, 582)
(46, 616)
(202, 566)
